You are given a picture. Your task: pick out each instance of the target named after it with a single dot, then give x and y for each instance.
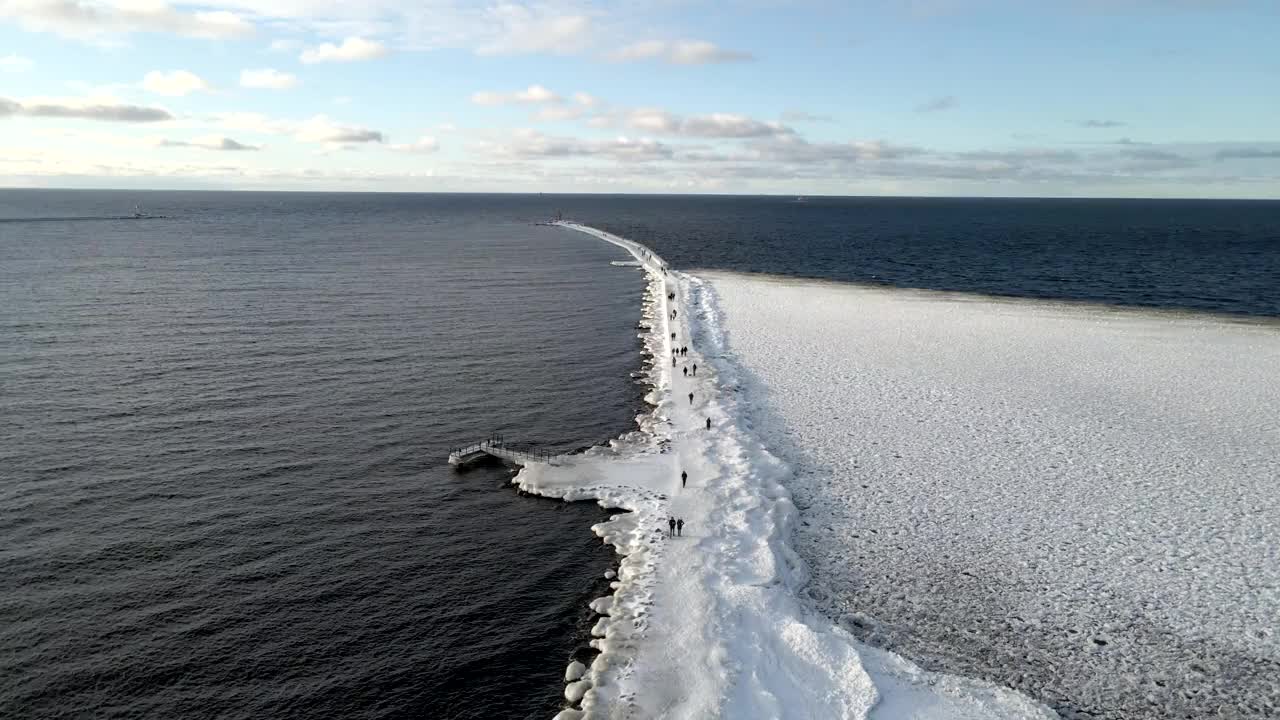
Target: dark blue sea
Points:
(223, 489)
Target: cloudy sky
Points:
(899, 97)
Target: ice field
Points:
(1077, 502)
(712, 624)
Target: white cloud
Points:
(316, 129)
(714, 125)
(174, 83)
(90, 109)
(533, 144)
(796, 150)
(679, 52)
(87, 19)
(424, 144)
(802, 116)
(321, 129)
(585, 99)
(555, 113)
(532, 95)
(491, 27)
(352, 49)
(284, 45)
(730, 125)
(536, 94)
(515, 28)
(267, 79)
(653, 120)
(15, 63)
(210, 142)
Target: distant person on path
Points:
(686, 372)
(673, 362)
(695, 369)
(680, 527)
(684, 479)
(690, 398)
(708, 423)
(673, 336)
(671, 523)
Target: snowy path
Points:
(710, 625)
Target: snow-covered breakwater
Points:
(712, 624)
(1075, 501)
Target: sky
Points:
(1089, 98)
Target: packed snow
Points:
(711, 623)
(1075, 501)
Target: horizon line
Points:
(640, 194)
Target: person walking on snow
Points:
(690, 398)
(671, 523)
(673, 362)
(684, 479)
(708, 423)
(680, 527)
(686, 372)
(695, 369)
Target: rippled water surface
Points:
(224, 491)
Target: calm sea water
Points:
(222, 489)
(1217, 256)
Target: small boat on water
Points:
(140, 214)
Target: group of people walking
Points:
(675, 526)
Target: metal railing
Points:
(496, 445)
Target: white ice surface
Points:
(710, 625)
(1080, 502)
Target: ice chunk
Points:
(574, 691)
